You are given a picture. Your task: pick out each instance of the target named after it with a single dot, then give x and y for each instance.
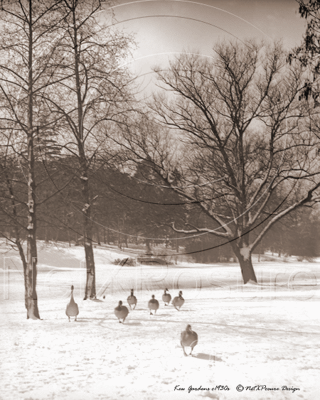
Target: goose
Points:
(166, 297)
(153, 305)
(132, 300)
(188, 338)
(178, 301)
(72, 309)
(121, 312)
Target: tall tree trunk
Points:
(91, 281)
(87, 224)
(32, 259)
(243, 255)
(87, 237)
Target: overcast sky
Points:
(168, 26)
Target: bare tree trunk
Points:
(46, 233)
(87, 236)
(148, 247)
(32, 258)
(243, 255)
(119, 236)
(69, 237)
(90, 290)
(247, 270)
(108, 237)
(91, 281)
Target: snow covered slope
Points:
(266, 334)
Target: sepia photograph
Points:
(159, 199)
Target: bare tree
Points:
(92, 96)
(28, 30)
(232, 136)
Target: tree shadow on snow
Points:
(132, 323)
(209, 357)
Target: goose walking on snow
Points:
(72, 309)
(178, 301)
(132, 300)
(121, 312)
(153, 304)
(188, 338)
(166, 297)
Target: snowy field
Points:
(266, 334)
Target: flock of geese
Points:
(188, 337)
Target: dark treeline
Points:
(128, 210)
(125, 207)
(296, 235)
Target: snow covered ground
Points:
(266, 334)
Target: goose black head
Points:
(180, 293)
(120, 303)
(153, 296)
(188, 328)
(131, 291)
(72, 287)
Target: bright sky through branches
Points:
(197, 25)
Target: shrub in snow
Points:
(131, 262)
